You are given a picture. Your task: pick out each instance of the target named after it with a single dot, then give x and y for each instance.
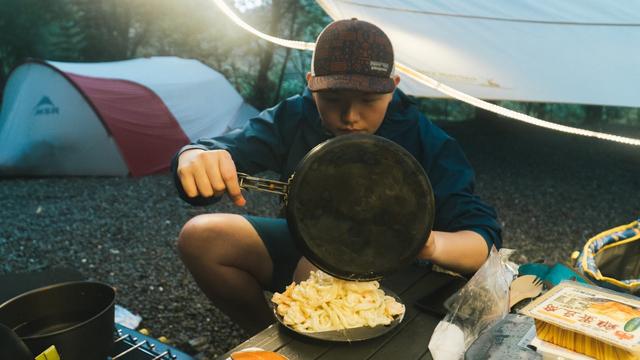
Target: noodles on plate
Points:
(324, 303)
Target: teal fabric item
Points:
(551, 275)
(560, 272)
(537, 269)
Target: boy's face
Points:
(350, 111)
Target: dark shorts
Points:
(275, 235)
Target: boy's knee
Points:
(200, 231)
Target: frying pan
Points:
(358, 206)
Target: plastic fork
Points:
(524, 287)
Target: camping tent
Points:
(111, 118)
(564, 51)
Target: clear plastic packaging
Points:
(482, 302)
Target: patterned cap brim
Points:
(372, 84)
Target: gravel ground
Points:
(552, 192)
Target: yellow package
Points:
(589, 320)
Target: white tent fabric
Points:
(114, 118)
(35, 138)
(202, 100)
(564, 51)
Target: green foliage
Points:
(445, 109)
(89, 30)
(607, 117)
(27, 27)
(281, 72)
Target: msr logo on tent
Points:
(46, 107)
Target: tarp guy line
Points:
(436, 85)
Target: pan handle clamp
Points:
(249, 182)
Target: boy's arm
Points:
(461, 251)
(465, 227)
(257, 147)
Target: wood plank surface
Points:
(270, 339)
(402, 280)
(426, 356)
(303, 350)
(413, 342)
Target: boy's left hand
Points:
(429, 247)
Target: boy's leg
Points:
(231, 264)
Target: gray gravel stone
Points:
(552, 192)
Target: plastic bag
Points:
(482, 302)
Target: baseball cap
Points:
(352, 55)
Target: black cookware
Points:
(76, 317)
(358, 206)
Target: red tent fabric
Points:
(137, 119)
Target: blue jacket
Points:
(279, 137)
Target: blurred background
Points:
(263, 73)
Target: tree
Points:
(114, 29)
(280, 72)
(593, 115)
(308, 21)
(28, 28)
(262, 88)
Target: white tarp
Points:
(564, 51)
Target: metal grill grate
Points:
(132, 345)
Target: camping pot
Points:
(77, 317)
(11, 347)
(358, 206)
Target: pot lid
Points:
(360, 206)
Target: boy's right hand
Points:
(209, 173)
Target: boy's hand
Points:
(209, 173)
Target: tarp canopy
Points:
(112, 118)
(564, 51)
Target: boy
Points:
(351, 88)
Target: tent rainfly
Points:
(111, 118)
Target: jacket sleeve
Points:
(457, 207)
(257, 147)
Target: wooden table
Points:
(409, 340)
